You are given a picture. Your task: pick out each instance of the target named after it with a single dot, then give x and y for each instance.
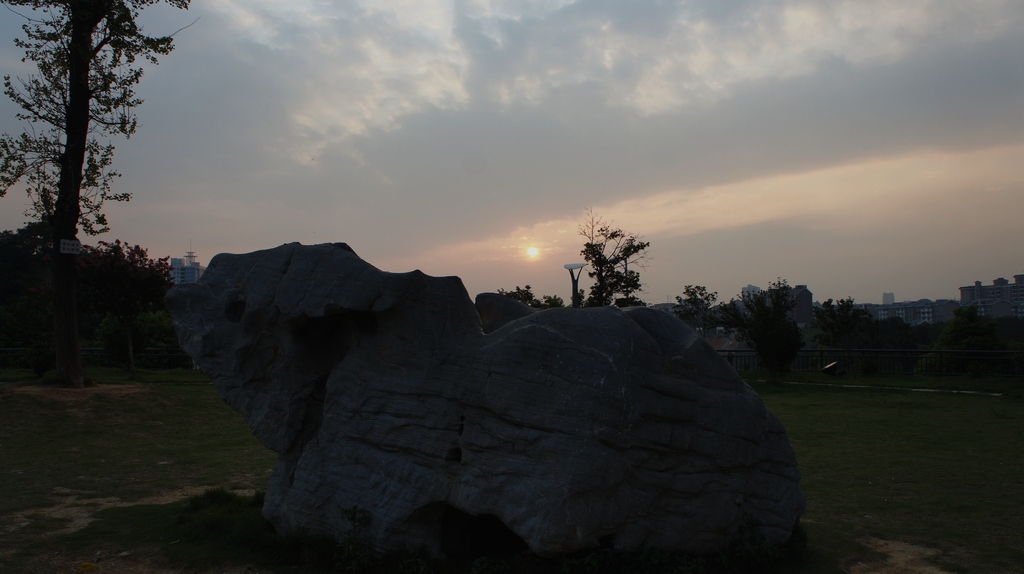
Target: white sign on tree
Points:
(70, 246)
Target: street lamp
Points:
(578, 268)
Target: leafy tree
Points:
(552, 301)
(697, 307)
(969, 331)
(764, 321)
(85, 53)
(526, 297)
(1010, 328)
(926, 334)
(891, 333)
(22, 260)
(26, 321)
(26, 310)
(842, 324)
(605, 249)
(123, 282)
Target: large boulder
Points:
(562, 430)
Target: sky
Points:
(856, 147)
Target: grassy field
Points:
(937, 470)
(99, 480)
(68, 453)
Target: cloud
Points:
(415, 130)
(918, 222)
(350, 68)
(457, 174)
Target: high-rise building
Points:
(991, 299)
(915, 312)
(187, 269)
(888, 298)
(802, 297)
(804, 300)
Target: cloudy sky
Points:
(856, 147)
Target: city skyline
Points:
(882, 300)
(855, 147)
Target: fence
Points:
(150, 358)
(896, 362)
(860, 361)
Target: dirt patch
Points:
(69, 394)
(78, 511)
(112, 561)
(902, 558)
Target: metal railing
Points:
(150, 358)
(855, 361)
(895, 361)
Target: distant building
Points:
(803, 311)
(915, 312)
(804, 300)
(1000, 299)
(888, 298)
(186, 270)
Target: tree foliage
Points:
(26, 321)
(606, 250)
(23, 260)
(892, 333)
(526, 297)
(697, 307)
(123, 282)
(969, 331)
(764, 320)
(842, 324)
(86, 56)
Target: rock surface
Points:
(559, 431)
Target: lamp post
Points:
(578, 268)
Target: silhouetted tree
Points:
(23, 260)
(123, 282)
(1010, 328)
(552, 301)
(969, 331)
(842, 324)
(764, 321)
(526, 297)
(697, 307)
(85, 53)
(606, 250)
(891, 333)
(26, 308)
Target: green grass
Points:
(107, 376)
(105, 447)
(214, 528)
(938, 470)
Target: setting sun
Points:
(532, 252)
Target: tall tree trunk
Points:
(65, 322)
(85, 17)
